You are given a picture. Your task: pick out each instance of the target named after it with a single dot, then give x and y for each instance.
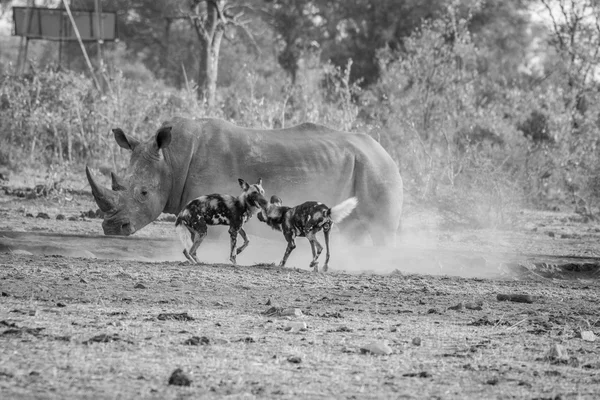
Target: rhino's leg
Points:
(198, 236)
(326, 234)
(354, 230)
(316, 249)
(290, 246)
(233, 232)
(246, 241)
(382, 236)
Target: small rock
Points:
(268, 303)
(393, 329)
(175, 316)
(457, 307)
(22, 252)
(558, 352)
(416, 341)
(493, 381)
(179, 378)
(103, 338)
(378, 348)
(588, 336)
(220, 341)
(294, 359)
(422, 374)
(296, 326)
(42, 215)
(517, 298)
(60, 217)
(197, 341)
(340, 328)
(82, 280)
(29, 215)
(474, 306)
(432, 311)
(283, 312)
(4, 294)
(139, 286)
(551, 234)
(59, 304)
(72, 218)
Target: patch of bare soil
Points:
(83, 328)
(84, 316)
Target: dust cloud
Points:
(425, 245)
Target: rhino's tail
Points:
(185, 236)
(342, 210)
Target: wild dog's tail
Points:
(181, 226)
(342, 210)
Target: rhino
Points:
(187, 158)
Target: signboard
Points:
(54, 24)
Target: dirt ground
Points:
(88, 316)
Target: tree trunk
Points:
(209, 62)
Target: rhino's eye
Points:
(144, 192)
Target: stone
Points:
(376, 348)
(588, 336)
(296, 326)
(179, 378)
(557, 352)
(197, 341)
(22, 252)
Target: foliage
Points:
(478, 102)
(452, 146)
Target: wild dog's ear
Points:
(126, 142)
(276, 200)
(243, 184)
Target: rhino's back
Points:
(299, 163)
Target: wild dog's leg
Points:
(316, 248)
(326, 230)
(246, 241)
(198, 236)
(187, 255)
(233, 232)
(290, 246)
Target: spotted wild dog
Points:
(218, 209)
(305, 220)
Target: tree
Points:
(576, 38)
(210, 19)
(342, 30)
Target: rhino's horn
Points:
(105, 198)
(116, 182)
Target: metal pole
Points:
(85, 54)
(99, 32)
(22, 56)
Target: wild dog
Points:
(218, 209)
(305, 220)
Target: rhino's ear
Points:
(126, 142)
(259, 182)
(243, 184)
(162, 139)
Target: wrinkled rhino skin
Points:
(187, 158)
